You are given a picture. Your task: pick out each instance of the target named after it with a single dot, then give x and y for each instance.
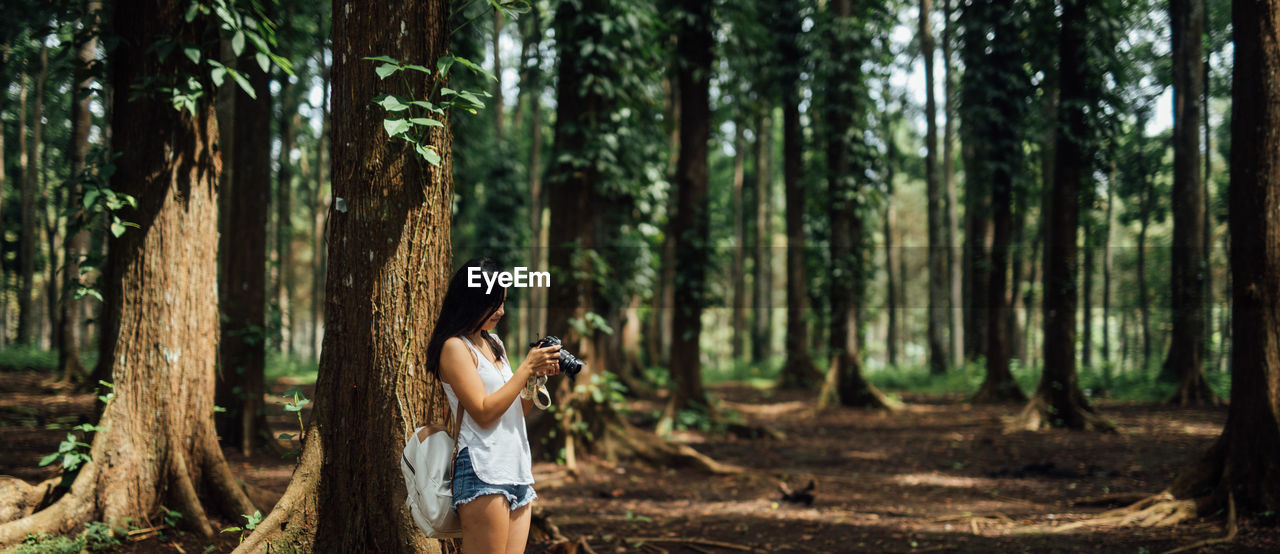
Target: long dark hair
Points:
(465, 309)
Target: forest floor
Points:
(940, 476)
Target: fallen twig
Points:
(1113, 499)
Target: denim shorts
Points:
(467, 486)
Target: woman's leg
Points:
(484, 524)
(518, 529)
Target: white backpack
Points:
(427, 464)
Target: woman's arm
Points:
(458, 369)
(528, 404)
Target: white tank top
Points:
(499, 454)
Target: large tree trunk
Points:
(1184, 361)
(799, 370)
(243, 296)
(27, 321)
(1240, 467)
(76, 247)
(389, 239)
(938, 275)
(738, 319)
(691, 228)
(1058, 401)
(762, 282)
(157, 443)
(845, 383)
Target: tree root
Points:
(288, 527)
(1037, 416)
(72, 510)
(19, 500)
(231, 494)
(184, 492)
(1232, 530)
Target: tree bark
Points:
(1184, 362)
(243, 298)
(845, 383)
(499, 104)
(288, 123)
(389, 239)
(26, 310)
(319, 216)
(1058, 401)
(1002, 137)
(955, 317)
(740, 301)
(762, 315)
(798, 371)
(893, 277)
(938, 275)
(691, 230)
(157, 443)
(77, 243)
(1240, 467)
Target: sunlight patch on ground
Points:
(939, 480)
(769, 410)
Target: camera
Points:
(569, 365)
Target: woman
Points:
(493, 470)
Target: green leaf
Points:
(192, 53)
(263, 61)
(442, 66)
(91, 197)
(386, 70)
(49, 459)
(386, 59)
(447, 91)
(425, 121)
(395, 127)
(117, 228)
(237, 43)
(418, 68)
(427, 105)
(285, 436)
(192, 11)
(243, 82)
(428, 153)
(391, 103)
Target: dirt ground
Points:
(941, 476)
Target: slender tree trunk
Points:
(939, 279)
(27, 321)
(665, 298)
(762, 316)
(289, 122)
(241, 384)
(157, 443)
(977, 240)
(999, 385)
(319, 219)
(1106, 274)
(955, 321)
(798, 371)
(845, 383)
(1086, 308)
(740, 300)
(1018, 263)
(532, 89)
(1058, 401)
(691, 227)
(1028, 298)
(390, 238)
(1185, 359)
(51, 202)
(77, 244)
(499, 105)
(892, 277)
(1144, 298)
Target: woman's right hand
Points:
(541, 361)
